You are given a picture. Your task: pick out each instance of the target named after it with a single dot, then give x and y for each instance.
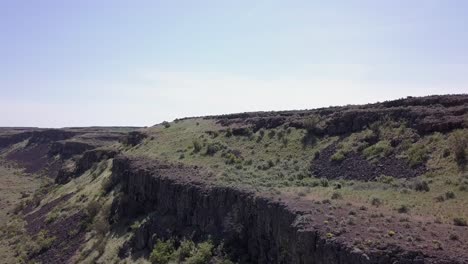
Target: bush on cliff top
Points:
(459, 144)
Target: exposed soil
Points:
(357, 167)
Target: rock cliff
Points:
(254, 228)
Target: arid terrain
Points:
(378, 183)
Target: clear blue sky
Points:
(114, 62)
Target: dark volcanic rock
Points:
(33, 158)
(49, 136)
(256, 229)
(425, 114)
(356, 167)
(67, 149)
(84, 163)
(133, 138)
(10, 139)
(69, 232)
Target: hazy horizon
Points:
(122, 63)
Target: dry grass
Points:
(268, 165)
(15, 188)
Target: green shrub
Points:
(44, 241)
(101, 225)
(212, 148)
(267, 166)
(421, 186)
(229, 132)
(449, 195)
(197, 146)
(403, 209)
(18, 208)
(51, 217)
(416, 155)
(92, 209)
(271, 133)
(379, 150)
(280, 135)
(166, 124)
(162, 252)
(261, 133)
(440, 198)
(458, 221)
(249, 133)
(385, 179)
(324, 182)
(453, 237)
(312, 124)
(232, 157)
(185, 250)
(375, 201)
(35, 200)
(336, 195)
(458, 144)
(338, 157)
(313, 128)
(107, 185)
(202, 255)
(271, 163)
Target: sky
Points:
(138, 63)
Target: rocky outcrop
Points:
(133, 138)
(73, 169)
(424, 114)
(49, 136)
(60, 154)
(356, 167)
(67, 149)
(255, 228)
(10, 139)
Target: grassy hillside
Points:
(371, 176)
(278, 161)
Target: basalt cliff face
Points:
(254, 228)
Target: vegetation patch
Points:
(379, 150)
(417, 154)
(459, 145)
(187, 252)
